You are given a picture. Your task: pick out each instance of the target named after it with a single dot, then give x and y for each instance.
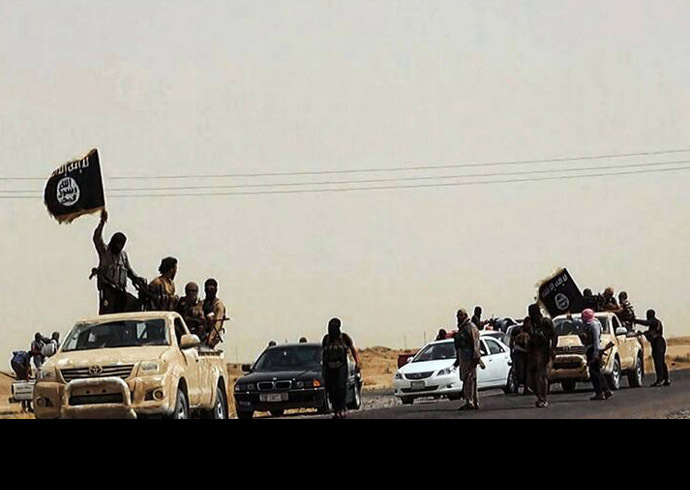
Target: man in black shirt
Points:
(655, 335)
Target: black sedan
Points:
(289, 376)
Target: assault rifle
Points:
(133, 303)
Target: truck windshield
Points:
(289, 358)
(435, 352)
(131, 333)
(564, 326)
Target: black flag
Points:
(75, 189)
(559, 294)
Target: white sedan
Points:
(431, 372)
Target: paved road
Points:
(645, 402)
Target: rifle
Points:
(139, 303)
(216, 331)
(649, 335)
(609, 346)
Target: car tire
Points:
(455, 396)
(245, 414)
(220, 408)
(181, 406)
(614, 379)
(568, 385)
(356, 402)
(277, 412)
(636, 376)
(407, 400)
(511, 383)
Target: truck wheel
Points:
(181, 406)
(356, 397)
(407, 400)
(635, 376)
(277, 413)
(245, 414)
(568, 385)
(614, 378)
(220, 408)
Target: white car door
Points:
(483, 375)
(496, 362)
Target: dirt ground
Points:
(378, 366)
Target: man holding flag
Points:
(113, 270)
(76, 189)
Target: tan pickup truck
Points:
(624, 358)
(130, 365)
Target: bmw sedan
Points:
(432, 372)
(289, 376)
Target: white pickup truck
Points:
(132, 365)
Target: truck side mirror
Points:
(188, 341)
(246, 368)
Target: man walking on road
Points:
(468, 357)
(655, 335)
(541, 350)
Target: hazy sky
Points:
(207, 87)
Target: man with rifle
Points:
(214, 314)
(113, 270)
(655, 336)
(591, 338)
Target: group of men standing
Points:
(203, 318)
(533, 346)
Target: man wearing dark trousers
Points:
(655, 335)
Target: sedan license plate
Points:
(417, 385)
(273, 397)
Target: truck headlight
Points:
(151, 367)
(49, 374)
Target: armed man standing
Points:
(214, 312)
(113, 270)
(655, 336)
(541, 350)
(468, 357)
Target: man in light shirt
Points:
(592, 329)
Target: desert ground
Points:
(378, 366)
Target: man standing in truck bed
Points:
(113, 270)
(214, 313)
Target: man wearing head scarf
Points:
(191, 309)
(162, 288)
(625, 312)
(541, 350)
(468, 356)
(610, 303)
(335, 347)
(113, 270)
(655, 335)
(214, 313)
(592, 334)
